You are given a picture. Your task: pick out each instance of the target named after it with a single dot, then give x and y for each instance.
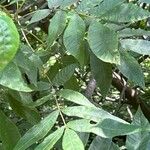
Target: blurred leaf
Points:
(9, 133)
(71, 141)
(50, 140)
(9, 40)
(37, 132)
(73, 37)
(75, 97)
(64, 75)
(140, 140)
(102, 73)
(39, 15)
(56, 27)
(103, 42)
(130, 68)
(11, 77)
(103, 143)
(138, 46)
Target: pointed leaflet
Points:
(130, 68)
(126, 13)
(37, 132)
(39, 15)
(50, 140)
(9, 40)
(134, 141)
(64, 75)
(102, 73)
(73, 37)
(11, 77)
(9, 133)
(138, 46)
(56, 27)
(91, 113)
(75, 97)
(102, 143)
(103, 42)
(71, 141)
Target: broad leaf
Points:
(90, 113)
(103, 143)
(126, 13)
(75, 97)
(37, 132)
(9, 40)
(130, 68)
(50, 140)
(71, 141)
(141, 139)
(39, 15)
(9, 133)
(64, 75)
(103, 42)
(11, 77)
(73, 37)
(102, 73)
(56, 27)
(138, 46)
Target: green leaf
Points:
(130, 68)
(71, 141)
(41, 101)
(90, 113)
(50, 140)
(64, 75)
(37, 132)
(141, 139)
(9, 133)
(11, 77)
(30, 114)
(62, 3)
(103, 42)
(103, 143)
(9, 40)
(132, 32)
(57, 26)
(126, 13)
(75, 97)
(138, 46)
(39, 15)
(102, 73)
(73, 37)
(145, 1)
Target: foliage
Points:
(61, 65)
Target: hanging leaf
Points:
(57, 26)
(50, 140)
(39, 15)
(73, 37)
(11, 77)
(102, 73)
(37, 132)
(103, 42)
(64, 75)
(71, 141)
(138, 46)
(9, 133)
(9, 40)
(140, 139)
(130, 68)
(102, 143)
(75, 97)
